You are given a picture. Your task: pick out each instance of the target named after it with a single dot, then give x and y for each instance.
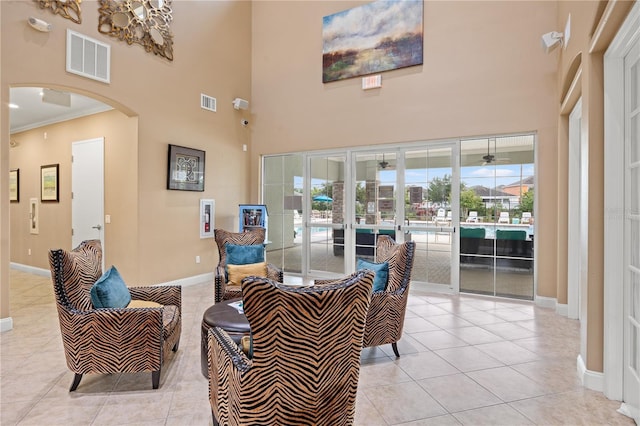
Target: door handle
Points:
(98, 227)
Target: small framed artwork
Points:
(14, 185)
(186, 169)
(33, 216)
(49, 183)
(207, 211)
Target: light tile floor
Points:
(464, 360)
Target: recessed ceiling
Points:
(32, 112)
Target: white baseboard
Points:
(562, 309)
(6, 324)
(629, 411)
(31, 269)
(590, 379)
(546, 302)
(196, 279)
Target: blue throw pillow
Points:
(244, 255)
(110, 291)
(381, 270)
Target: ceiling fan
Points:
(384, 165)
(490, 158)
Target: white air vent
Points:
(88, 57)
(207, 102)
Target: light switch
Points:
(107, 218)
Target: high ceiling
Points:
(33, 112)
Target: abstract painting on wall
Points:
(379, 36)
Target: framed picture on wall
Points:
(49, 183)
(186, 169)
(14, 185)
(375, 37)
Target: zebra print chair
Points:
(306, 355)
(223, 290)
(385, 318)
(107, 340)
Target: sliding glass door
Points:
(497, 216)
(325, 224)
(467, 204)
(431, 219)
(282, 179)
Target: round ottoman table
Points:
(226, 317)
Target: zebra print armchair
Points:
(385, 318)
(306, 355)
(108, 340)
(223, 290)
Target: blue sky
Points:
(488, 176)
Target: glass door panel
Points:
(325, 228)
(282, 194)
(429, 219)
(496, 216)
(375, 193)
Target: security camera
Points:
(244, 122)
(239, 103)
(551, 40)
(39, 24)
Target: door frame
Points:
(574, 263)
(614, 124)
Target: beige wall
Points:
(484, 72)
(593, 26)
(121, 189)
(212, 51)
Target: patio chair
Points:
(504, 217)
(473, 217)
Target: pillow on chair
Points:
(381, 270)
(243, 255)
(238, 272)
(110, 291)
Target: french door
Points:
(353, 197)
(357, 196)
(632, 236)
(622, 217)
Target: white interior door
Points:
(87, 186)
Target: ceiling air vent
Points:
(207, 102)
(88, 57)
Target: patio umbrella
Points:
(324, 198)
